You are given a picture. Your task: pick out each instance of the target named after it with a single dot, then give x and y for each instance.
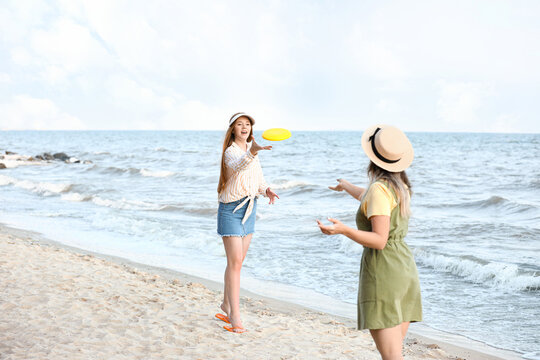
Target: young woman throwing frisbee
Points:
(241, 181)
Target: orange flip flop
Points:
(223, 318)
(235, 329)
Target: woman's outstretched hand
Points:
(255, 148)
(340, 185)
(271, 195)
(337, 227)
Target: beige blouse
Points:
(244, 178)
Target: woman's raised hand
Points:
(337, 227)
(255, 148)
(340, 185)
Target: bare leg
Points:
(235, 255)
(226, 306)
(389, 342)
(404, 329)
(246, 241)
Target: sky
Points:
(445, 66)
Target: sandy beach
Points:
(58, 302)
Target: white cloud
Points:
(374, 56)
(506, 123)
(459, 104)
(68, 45)
(127, 93)
(28, 113)
(192, 115)
(136, 44)
(478, 40)
(156, 109)
(54, 75)
(128, 64)
(386, 105)
(19, 18)
(5, 78)
(164, 109)
(21, 56)
(74, 9)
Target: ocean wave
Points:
(121, 204)
(209, 244)
(535, 184)
(54, 215)
(497, 203)
(161, 149)
(289, 184)
(124, 204)
(492, 201)
(293, 187)
(493, 274)
(131, 171)
(163, 173)
(113, 170)
(202, 210)
(6, 180)
(42, 188)
(76, 197)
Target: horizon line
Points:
(298, 130)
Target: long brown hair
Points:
(229, 139)
(398, 181)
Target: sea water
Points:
(151, 197)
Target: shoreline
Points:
(427, 344)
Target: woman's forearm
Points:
(366, 238)
(239, 163)
(353, 190)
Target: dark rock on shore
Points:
(45, 157)
(61, 156)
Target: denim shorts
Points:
(230, 224)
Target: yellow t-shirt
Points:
(378, 200)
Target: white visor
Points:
(235, 117)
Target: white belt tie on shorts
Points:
(251, 199)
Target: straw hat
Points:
(388, 147)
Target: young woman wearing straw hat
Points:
(389, 290)
(241, 181)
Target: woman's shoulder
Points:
(380, 189)
(231, 149)
(380, 186)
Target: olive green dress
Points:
(389, 289)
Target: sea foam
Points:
(493, 274)
(42, 188)
(164, 173)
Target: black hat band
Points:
(374, 148)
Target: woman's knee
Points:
(235, 262)
(391, 354)
(389, 342)
(390, 351)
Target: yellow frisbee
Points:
(276, 134)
